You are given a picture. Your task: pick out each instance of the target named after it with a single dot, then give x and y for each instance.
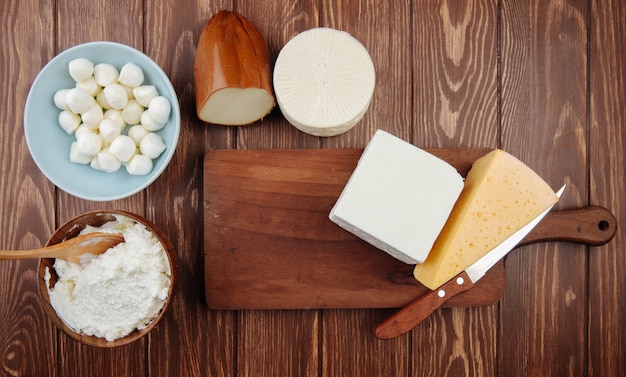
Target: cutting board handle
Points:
(593, 226)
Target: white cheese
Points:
(398, 198)
(80, 69)
(324, 81)
(131, 75)
(117, 292)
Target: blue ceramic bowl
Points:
(49, 144)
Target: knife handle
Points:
(593, 226)
(418, 310)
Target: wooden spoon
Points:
(71, 250)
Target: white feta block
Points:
(398, 198)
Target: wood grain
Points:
(384, 28)
(542, 79)
(607, 143)
(544, 98)
(176, 203)
(270, 245)
(27, 339)
(74, 27)
(455, 88)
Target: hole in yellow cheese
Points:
(501, 195)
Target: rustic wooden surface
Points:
(543, 80)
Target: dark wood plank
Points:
(455, 50)
(76, 22)
(457, 343)
(274, 131)
(27, 337)
(192, 340)
(278, 342)
(607, 280)
(384, 29)
(290, 344)
(544, 124)
(455, 105)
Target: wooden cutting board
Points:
(268, 242)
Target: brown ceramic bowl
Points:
(71, 229)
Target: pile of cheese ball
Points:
(98, 110)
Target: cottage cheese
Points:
(110, 295)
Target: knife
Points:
(418, 310)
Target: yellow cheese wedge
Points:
(501, 195)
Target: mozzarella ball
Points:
(131, 74)
(78, 100)
(60, 99)
(95, 163)
(129, 90)
(160, 109)
(76, 157)
(123, 147)
(115, 96)
(92, 117)
(132, 112)
(90, 85)
(88, 144)
(116, 115)
(144, 94)
(148, 122)
(81, 129)
(152, 145)
(107, 161)
(109, 129)
(102, 100)
(69, 121)
(105, 74)
(137, 133)
(80, 69)
(139, 165)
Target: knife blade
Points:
(418, 310)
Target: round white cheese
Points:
(324, 81)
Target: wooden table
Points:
(543, 80)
